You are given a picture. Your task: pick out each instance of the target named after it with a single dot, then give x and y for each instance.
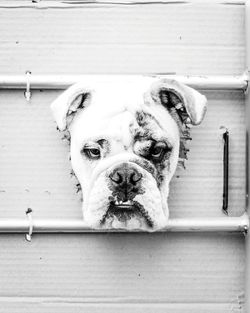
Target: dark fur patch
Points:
(174, 105)
(143, 119)
(146, 165)
(146, 133)
(184, 130)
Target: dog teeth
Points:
(120, 202)
(117, 202)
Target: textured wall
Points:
(119, 272)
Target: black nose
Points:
(125, 176)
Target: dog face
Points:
(125, 145)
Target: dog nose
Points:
(125, 176)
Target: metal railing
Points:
(64, 81)
(34, 225)
(29, 82)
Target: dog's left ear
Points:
(189, 104)
(66, 105)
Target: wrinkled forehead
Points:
(121, 114)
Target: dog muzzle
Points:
(125, 196)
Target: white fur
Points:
(110, 114)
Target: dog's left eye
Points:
(158, 150)
(92, 153)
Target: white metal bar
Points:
(45, 4)
(64, 81)
(222, 224)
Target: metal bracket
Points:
(225, 171)
(246, 77)
(27, 92)
(29, 215)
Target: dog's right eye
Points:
(92, 153)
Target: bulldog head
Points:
(125, 142)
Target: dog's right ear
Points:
(187, 102)
(68, 103)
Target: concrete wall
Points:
(119, 272)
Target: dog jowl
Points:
(125, 142)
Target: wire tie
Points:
(29, 215)
(27, 92)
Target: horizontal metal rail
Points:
(221, 224)
(29, 81)
(64, 81)
(46, 4)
